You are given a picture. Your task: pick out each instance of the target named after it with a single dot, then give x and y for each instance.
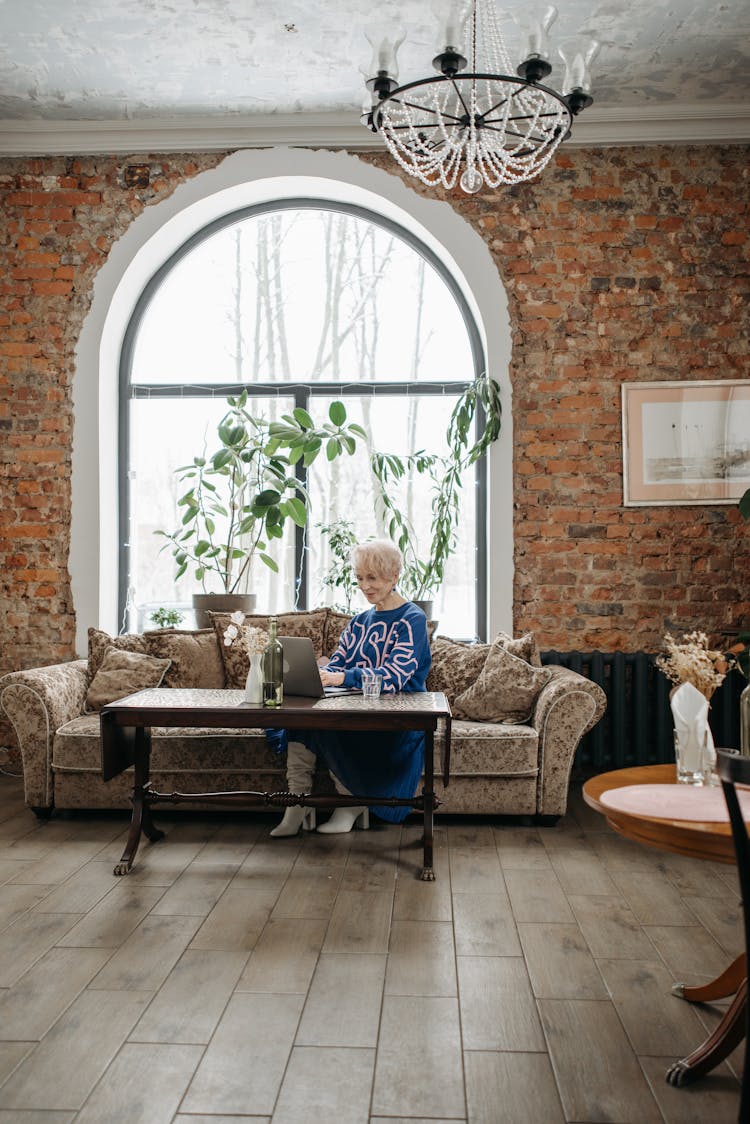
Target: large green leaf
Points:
(222, 458)
(303, 418)
(333, 448)
(268, 498)
(337, 413)
(297, 510)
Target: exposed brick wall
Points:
(620, 265)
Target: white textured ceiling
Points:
(172, 60)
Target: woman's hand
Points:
(331, 678)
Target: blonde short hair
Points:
(381, 554)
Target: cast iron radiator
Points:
(637, 726)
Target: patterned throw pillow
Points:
(236, 660)
(236, 656)
(525, 647)
(505, 690)
(455, 666)
(100, 641)
(194, 655)
(123, 673)
(335, 625)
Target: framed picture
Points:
(685, 442)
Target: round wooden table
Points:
(702, 840)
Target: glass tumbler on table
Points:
(689, 759)
(372, 681)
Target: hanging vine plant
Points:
(423, 572)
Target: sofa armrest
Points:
(38, 702)
(568, 707)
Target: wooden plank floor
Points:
(234, 977)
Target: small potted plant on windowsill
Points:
(166, 618)
(424, 570)
(240, 497)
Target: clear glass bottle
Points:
(273, 667)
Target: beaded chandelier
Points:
(486, 126)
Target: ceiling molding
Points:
(673, 123)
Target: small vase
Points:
(254, 681)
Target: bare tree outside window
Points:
(308, 304)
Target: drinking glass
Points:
(689, 758)
(372, 681)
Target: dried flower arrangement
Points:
(690, 660)
(255, 639)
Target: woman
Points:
(391, 637)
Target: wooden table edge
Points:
(702, 839)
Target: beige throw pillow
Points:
(195, 657)
(304, 622)
(194, 654)
(123, 673)
(455, 666)
(525, 647)
(505, 690)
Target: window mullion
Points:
(301, 567)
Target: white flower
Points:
(231, 632)
(237, 617)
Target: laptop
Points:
(301, 671)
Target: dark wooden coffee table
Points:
(126, 740)
(701, 839)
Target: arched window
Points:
(301, 302)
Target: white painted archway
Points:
(242, 179)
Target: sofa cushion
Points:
(123, 673)
(100, 641)
(477, 749)
(77, 747)
(488, 749)
(305, 622)
(194, 655)
(455, 666)
(335, 625)
(525, 647)
(505, 691)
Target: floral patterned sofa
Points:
(515, 729)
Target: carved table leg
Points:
(140, 819)
(728, 1034)
(428, 792)
(725, 984)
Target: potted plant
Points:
(240, 497)
(340, 574)
(424, 570)
(166, 618)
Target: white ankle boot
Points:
(344, 819)
(294, 818)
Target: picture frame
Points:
(685, 442)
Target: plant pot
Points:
(425, 606)
(203, 603)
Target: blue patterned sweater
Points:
(394, 641)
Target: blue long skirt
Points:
(368, 764)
